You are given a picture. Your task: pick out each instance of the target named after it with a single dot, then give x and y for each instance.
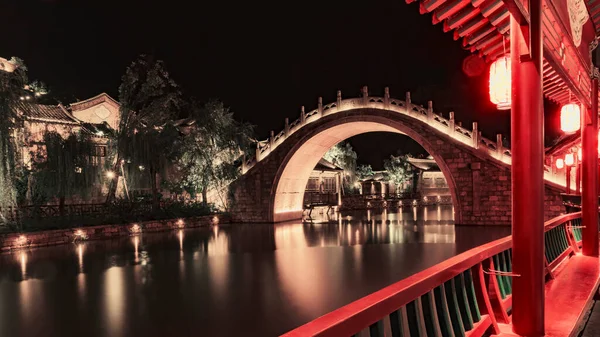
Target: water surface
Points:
(252, 280)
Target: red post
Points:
(568, 177)
(577, 177)
(589, 196)
(527, 129)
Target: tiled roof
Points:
(47, 113)
(103, 97)
(324, 165)
(482, 26)
(98, 130)
(563, 143)
(594, 10)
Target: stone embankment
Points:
(61, 236)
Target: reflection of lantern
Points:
(570, 117)
(569, 160)
(560, 163)
(579, 154)
(500, 83)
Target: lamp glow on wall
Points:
(570, 117)
(500, 83)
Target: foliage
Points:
(11, 86)
(119, 212)
(398, 169)
(364, 172)
(65, 170)
(149, 100)
(213, 143)
(343, 156)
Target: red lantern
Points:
(569, 159)
(570, 117)
(560, 163)
(500, 83)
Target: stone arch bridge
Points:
(271, 188)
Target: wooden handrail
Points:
(370, 309)
(559, 220)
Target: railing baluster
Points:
(376, 329)
(431, 317)
(451, 298)
(443, 311)
(463, 302)
(472, 298)
(421, 319)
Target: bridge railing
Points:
(471, 138)
(466, 295)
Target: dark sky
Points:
(263, 59)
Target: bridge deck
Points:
(569, 297)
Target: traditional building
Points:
(95, 117)
(324, 185)
(427, 181)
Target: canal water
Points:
(251, 279)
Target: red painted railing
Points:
(468, 294)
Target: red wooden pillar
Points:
(527, 129)
(568, 177)
(589, 172)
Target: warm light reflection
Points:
(291, 236)
(80, 256)
(23, 260)
(180, 237)
(218, 244)
(438, 234)
(305, 277)
(136, 244)
(114, 300)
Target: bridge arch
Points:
(292, 176)
(477, 169)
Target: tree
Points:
(210, 149)
(149, 100)
(343, 155)
(364, 172)
(12, 82)
(398, 169)
(65, 169)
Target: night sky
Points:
(263, 59)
